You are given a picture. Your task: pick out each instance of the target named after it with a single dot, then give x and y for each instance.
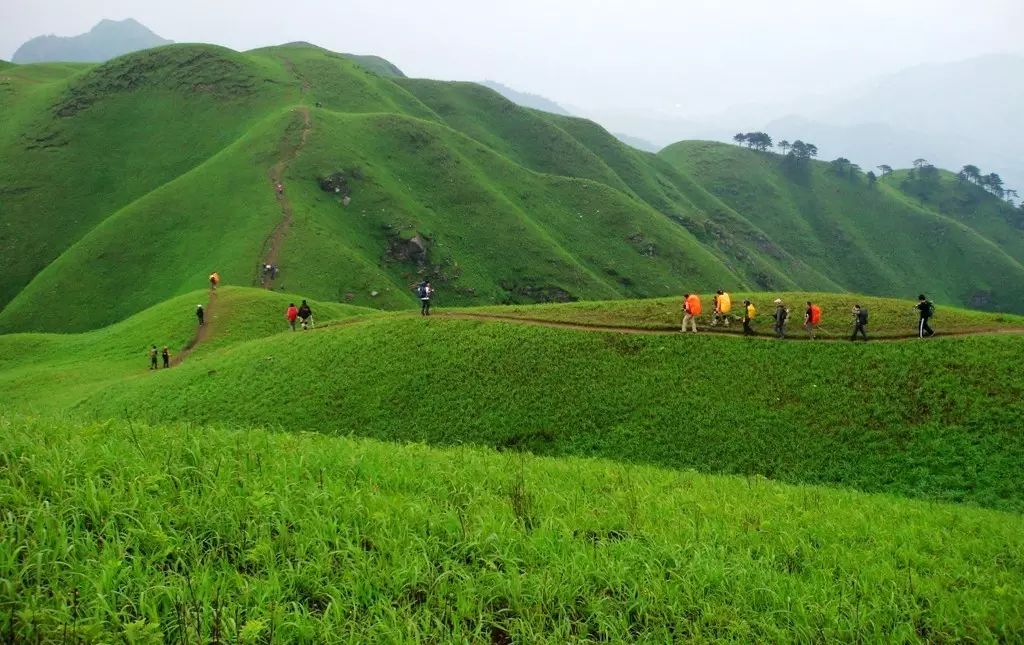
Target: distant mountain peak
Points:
(525, 99)
(107, 39)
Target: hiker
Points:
(152, 357)
(749, 311)
(166, 353)
(214, 280)
(306, 315)
(860, 320)
(781, 318)
(424, 291)
(279, 188)
(291, 314)
(273, 272)
(926, 310)
(812, 318)
(691, 309)
(200, 314)
(723, 305)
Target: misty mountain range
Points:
(108, 39)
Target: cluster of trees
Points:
(923, 175)
(991, 182)
(756, 140)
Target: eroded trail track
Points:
(272, 247)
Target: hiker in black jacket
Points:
(860, 319)
(305, 315)
(925, 309)
(200, 314)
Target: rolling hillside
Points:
(125, 184)
(937, 420)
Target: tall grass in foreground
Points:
(112, 532)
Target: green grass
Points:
(932, 419)
(163, 158)
(146, 534)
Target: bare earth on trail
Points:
(276, 175)
(667, 331)
(202, 333)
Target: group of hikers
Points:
(303, 314)
(154, 354)
(722, 307)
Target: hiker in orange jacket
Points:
(691, 309)
(292, 314)
(214, 280)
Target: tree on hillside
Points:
(969, 173)
(740, 138)
(922, 181)
(784, 146)
(885, 169)
(871, 177)
(800, 151)
(920, 163)
(840, 165)
(1010, 194)
(854, 170)
(993, 183)
(758, 140)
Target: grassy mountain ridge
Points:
(936, 419)
(494, 202)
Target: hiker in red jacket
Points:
(292, 314)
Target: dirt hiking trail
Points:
(672, 331)
(202, 331)
(272, 247)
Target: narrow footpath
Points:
(272, 247)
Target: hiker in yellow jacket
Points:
(723, 305)
(749, 311)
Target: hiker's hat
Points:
(778, 301)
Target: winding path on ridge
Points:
(205, 331)
(665, 331)
(202, 331)
(272, 247)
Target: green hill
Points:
(148, 172)
(185, 533)
(935, 418)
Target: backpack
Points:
(929, 308)
(422, 291)
(694, 304)
(724, 303)
(863, 316)
(815, 314)
(751, 310)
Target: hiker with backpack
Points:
(691, 309)
(860, 321)
(925, 309)
(723, 305)
(812, 318)
(291, 315)
(781, 318)
(424, 291)
(305, 314)
(201, 315)
(152, 357)
(214, 280)
(749, 311)
(166, 353)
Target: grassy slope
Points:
(79, 145)
(868, 239)
(244, 535)
(418, 177)
(935, 419)
(65, 368)
(972, 206)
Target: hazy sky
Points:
(660, 55)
